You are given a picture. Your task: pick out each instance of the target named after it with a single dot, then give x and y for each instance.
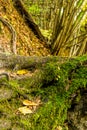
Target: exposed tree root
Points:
(12, 30)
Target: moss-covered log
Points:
(60, 84)
(10, 61)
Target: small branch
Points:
(83, 36)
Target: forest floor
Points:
(44, 106)
(27, 43)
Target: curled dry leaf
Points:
(29, 103)
(25, 110)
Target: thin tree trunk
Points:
(29, 20)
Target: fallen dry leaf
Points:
(25, 110)
(29, 103)
(59, 128)
(21, 72)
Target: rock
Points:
(5, 124)
(77, 114)
(5, 93)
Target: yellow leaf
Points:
(25, 110)
(58, 68)
(21, 72)
(29, 103)
(59, 76)
(59, 128)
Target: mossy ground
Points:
(60, 82)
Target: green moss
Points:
(53, 93)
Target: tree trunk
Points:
(29, 20)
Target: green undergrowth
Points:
(59, 83)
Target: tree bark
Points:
(28, 19)
(10, 61)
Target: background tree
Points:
(66, 31)
(64, 19)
